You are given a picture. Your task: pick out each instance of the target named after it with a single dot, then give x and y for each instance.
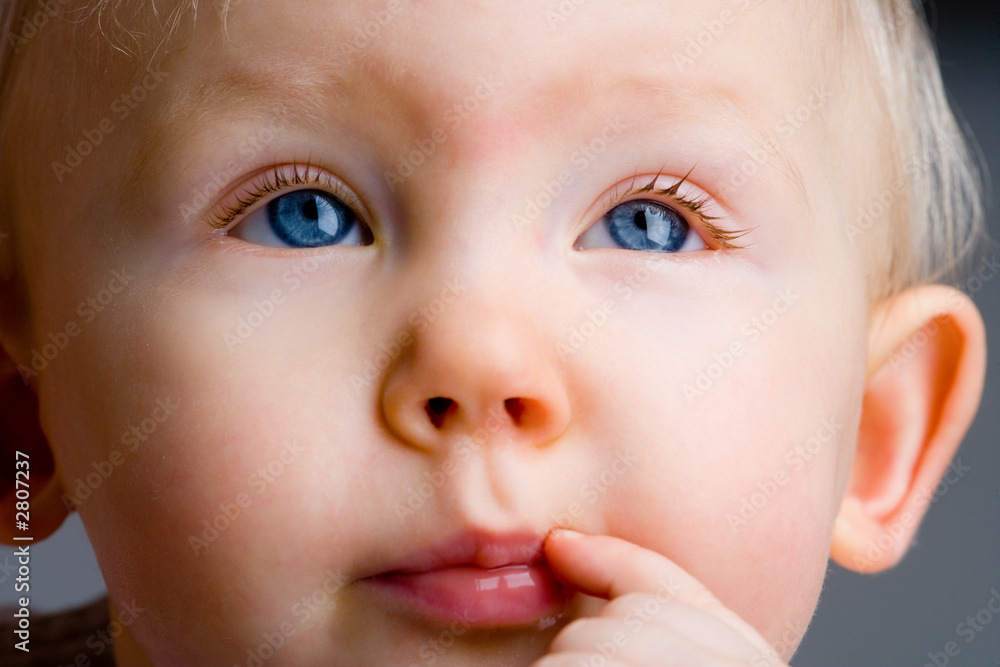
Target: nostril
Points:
(438, 408)
(515, 408)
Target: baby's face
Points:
(486, 334)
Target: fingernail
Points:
(567, 533)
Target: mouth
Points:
(477, 580)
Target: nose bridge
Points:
(476, 360)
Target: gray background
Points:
(889, 620)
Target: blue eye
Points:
(642, 225)
(304, 219)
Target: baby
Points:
(601, 327)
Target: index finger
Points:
(609, 567)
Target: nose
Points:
(480, 369)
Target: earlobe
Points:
(927, 362)
(22, 440)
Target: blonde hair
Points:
(931, 228)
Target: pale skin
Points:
(813, 352)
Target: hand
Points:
(658, 614)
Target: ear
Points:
(26, 463)
(927, 362)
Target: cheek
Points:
(774, 575)
(199, 460)
(745, 417)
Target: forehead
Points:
(498, 79)
(424, 55)
(492, 75)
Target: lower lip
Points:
(475, 597)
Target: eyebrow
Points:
(307, 97)
(756, 142)
(235, 89)
(293, 96)
(776, 155)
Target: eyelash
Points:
(723, 238)
(274, 180)
(277, 180)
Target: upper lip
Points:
(481, 549)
